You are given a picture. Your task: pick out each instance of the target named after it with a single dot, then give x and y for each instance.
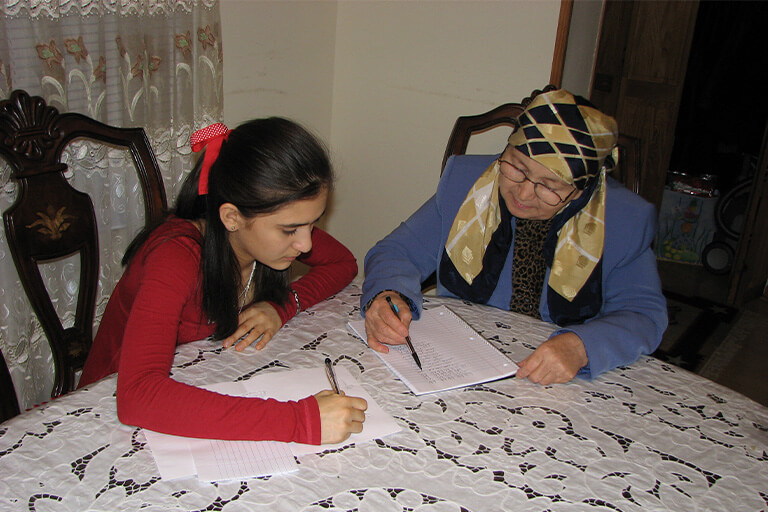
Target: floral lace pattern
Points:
(54, 9)
(144, 63)
(647, 436)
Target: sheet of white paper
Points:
(172, 454)
(179, 457)
(377, 422)
(452, 354)
(217, 460)
(227, 460)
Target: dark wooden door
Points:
(750, 269)
(639, 77)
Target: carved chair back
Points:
(626, 172)
(51, 220)
(9, 405)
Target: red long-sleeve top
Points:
(157, 304)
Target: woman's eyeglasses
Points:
(542, 191)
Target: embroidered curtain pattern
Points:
(154, 64)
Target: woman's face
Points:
(276, 239)
(521, 198)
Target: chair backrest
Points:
(51, 220)
(467, 126)
(627, 171)
(9, 404)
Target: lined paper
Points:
(452, 354)
(215, 460)
(227, 460)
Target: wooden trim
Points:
(750, 268)
(561, 43)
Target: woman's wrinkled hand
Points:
(260, 320)
(555, 361)
(382, 325)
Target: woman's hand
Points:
(382, 325)
(260, 320)
(555, 361)
(340, 416)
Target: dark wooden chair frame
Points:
(51, 220)
(467, 126)
(9, 404)
(627, 171)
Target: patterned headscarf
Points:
(573, 139)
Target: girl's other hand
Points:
(260, 320)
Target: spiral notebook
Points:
(452, 354)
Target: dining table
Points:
(645, 436)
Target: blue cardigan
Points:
(633, 315)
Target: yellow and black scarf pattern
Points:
(573, 139)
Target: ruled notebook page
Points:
(452, 354)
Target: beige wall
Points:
(383, 82)
(278, 60)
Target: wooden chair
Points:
(502, 116)
(9, 405)
(51, 220)
(627, 171)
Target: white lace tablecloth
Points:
(648, 436)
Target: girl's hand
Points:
(260, 320)
(340, 416)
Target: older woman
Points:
(540, 230)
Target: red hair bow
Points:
(211, 138)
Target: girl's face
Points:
(276, 239)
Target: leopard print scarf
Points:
(529, 266)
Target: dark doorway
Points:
(720, 127)
(687, 79)
(724, 106)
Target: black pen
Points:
(394, 309)
(331, 375)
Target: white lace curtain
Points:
(149, 63)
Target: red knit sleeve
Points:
(148, 397)
(332, 267)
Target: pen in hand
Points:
(394, 309)
(331, 375)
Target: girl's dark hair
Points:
(264, 165)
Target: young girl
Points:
(219, 266)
